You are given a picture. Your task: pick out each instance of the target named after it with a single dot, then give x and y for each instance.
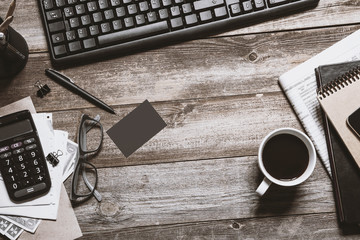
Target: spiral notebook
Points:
(339, 98)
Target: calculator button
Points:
(19, 158)
(26, 182)
(24, 174)
(11, 178)
(18, 151)
(5, 155)
(14, 186)
(26, 191)
(20, 166)
(39, 178)
(28, 141)
(34, 162)
(37, 170)
(4, 149)
(5, 162)
(30, 147)
(32, 154)
(16, 145)
(9, 170)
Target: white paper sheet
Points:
(299, 85)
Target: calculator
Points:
(22, 162)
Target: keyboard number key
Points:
(14, 186)
(69, 12)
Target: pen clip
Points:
(62, 75)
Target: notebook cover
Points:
(344, 170)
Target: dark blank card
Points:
(136, 128)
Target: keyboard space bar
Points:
(134, 33)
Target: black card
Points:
(135, 129)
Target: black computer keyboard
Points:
(81, 30)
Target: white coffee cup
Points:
(268, 179)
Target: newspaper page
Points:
(299, 85)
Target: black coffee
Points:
(285, 157)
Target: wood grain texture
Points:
(312, 226)
(229, 66)
(196, 191)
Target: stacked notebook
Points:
(338, 94)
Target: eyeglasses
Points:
(85, 177)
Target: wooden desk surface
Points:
(219, 96)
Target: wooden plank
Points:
(312, 226)
(231, 66)
(196, 129)
(196, 191)
(328, 13)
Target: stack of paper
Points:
(18, 217)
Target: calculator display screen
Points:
(15, 129)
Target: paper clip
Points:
(43, 89)
(53, 157)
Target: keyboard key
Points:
(85, 20)
(166, 3)
(16, 145)
(74, 46)
(151, 16)
(120, 11)
(69, 12)
(191, 19)
(277, 2)
(186, 8)
(72, 1)
(103, 4)
(109, 14)
(259, 4)
(155, 4)
(176, 23)
(89, 43)
(97, 17)
(204, 4)
(206, 16)
(80, 9)
(92, 7)
(53, 15)
(28, 141)
(115, 3)
(132, 9)
(127, 1)
(140, 19)
(134, 33)
(143, 6)
(31, 147)
(4, 149)
(129, 22)
(18, 151)
(60, 3)
(82, 32)
(105, 27)
(74, 22)
(220, 12)
(70, 35)
(175, 11)
(94, 30)
(59, 50)
(56, 26)
(5, 155)
(163, 14)
(48, 4)
(247, 6)
(235, 9)
(117, 25)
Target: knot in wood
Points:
(108, 209)
(253, 56)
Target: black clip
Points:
(43, 89)
(53, 157)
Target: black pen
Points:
(69, 84)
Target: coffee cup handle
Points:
(264, 185)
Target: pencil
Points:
(5, 24)
(11, 9)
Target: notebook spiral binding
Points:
(341, 82)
